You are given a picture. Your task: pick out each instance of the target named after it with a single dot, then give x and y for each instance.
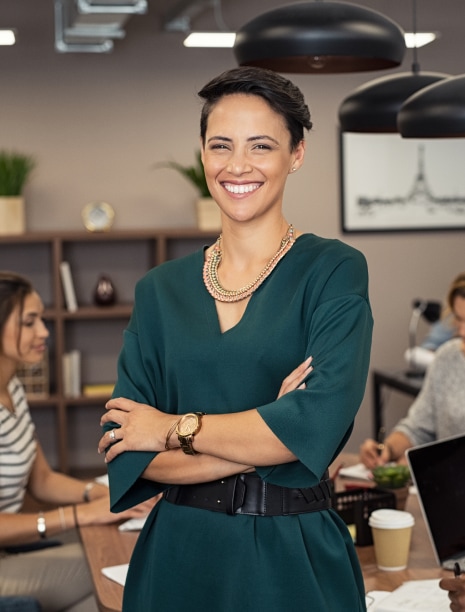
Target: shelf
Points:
(69, 435)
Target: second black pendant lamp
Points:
(373, 107)
(320, 37)
(438, 111)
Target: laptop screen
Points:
(438, 471)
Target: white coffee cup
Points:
(392, 532)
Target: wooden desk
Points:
(105, 546)
(394, 379)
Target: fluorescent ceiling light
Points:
(226, 39)
(419, 39)
(210, 39)
(7, 37)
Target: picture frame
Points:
(393, 184)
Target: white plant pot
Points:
(208, 214)
(12, 215)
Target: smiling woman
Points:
(242, 370)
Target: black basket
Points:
(355, 506)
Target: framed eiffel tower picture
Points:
(392, 184)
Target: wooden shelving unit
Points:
(70, 425)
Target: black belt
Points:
(249, 494)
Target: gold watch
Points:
(187, 427)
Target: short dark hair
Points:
(282, 95)
(13, 291)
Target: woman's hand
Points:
(456, 588)
(371, 455)
(295, 378)
(141, 428)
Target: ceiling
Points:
(34, 20)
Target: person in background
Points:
(438, 411)
(245, 521)
(30, 563)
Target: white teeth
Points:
(240, 188)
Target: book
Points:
(99, 389)
(68, 286)
(72, 373)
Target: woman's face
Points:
(247, 156)
(31, 330)
(459, 316)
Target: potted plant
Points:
(208, 213)
(396, 478)
(15, 170)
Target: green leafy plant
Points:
(391, 476)
(194, 174)
(15, 170)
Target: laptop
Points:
(437, 470)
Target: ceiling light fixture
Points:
(437, 111)
(320, 37)
(210, 39)
(227, 39)
(419, 39)
(7, 37)
(374, 106)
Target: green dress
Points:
(176, 358)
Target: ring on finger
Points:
(112, 435)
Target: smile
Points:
(249, 188)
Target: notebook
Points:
(437, 470)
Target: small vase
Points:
(104, 294)
(12, 215)
(208, 215)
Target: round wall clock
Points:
(98, 216)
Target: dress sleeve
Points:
(127, 488)
(314, 423)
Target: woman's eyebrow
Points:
(251, 139)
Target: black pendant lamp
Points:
(438, 111)
(374, 106)
(320, 37)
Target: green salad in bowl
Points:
(391, 476)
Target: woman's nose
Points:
(43, 330)
(238, 164)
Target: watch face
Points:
(188, 424)
(98, 216)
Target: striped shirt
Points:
(17, 449)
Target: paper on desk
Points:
(373, 598)
(358, 472)
(417, 596)
(117, 573)
(134, 524)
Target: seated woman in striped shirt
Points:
(57, 576)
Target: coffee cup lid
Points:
(387, 518)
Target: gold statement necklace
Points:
(210, 271)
